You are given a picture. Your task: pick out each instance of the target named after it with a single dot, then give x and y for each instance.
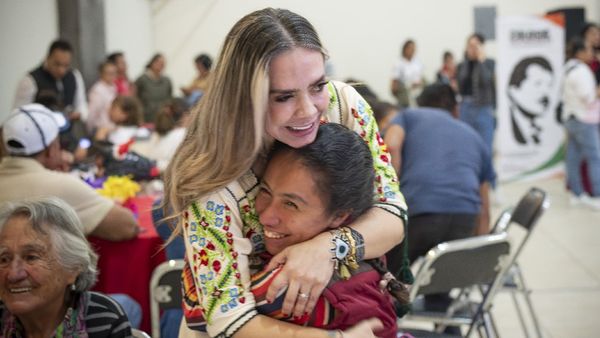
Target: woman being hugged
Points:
(269, 84)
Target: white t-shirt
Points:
(408, 72)
(580, 96)
(160, 148)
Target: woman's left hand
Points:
(307, 269)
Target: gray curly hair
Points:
(64, 229)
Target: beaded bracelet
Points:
(347, 251)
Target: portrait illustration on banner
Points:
(530, 61)
(530, 88)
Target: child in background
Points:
(100, 98)
(169, 131)
(126, 113)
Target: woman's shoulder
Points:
(101, 303)
(105, 317)
(342, 98)
(341, 89)
(231, 194)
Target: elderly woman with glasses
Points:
(46, 270)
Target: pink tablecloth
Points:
(126, 267)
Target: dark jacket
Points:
(483, 81)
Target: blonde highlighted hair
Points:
(227, 128)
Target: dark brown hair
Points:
(132, 107)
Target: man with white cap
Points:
(30, 136)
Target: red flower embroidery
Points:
(384, 158)
(210, 246)
(203, 257)
(216, 266)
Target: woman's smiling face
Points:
(290, 205)
(32, 281)
(298, 96)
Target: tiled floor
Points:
(561, 264)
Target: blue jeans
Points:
(481, 118)
(131, 308)
(169, 323)
(583, 143)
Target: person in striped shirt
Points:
(46, 270)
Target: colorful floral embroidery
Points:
(252, 228)
(386, 182)
(214, 261)
(386, 185)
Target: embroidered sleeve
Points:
(356, 114)
(217, 297)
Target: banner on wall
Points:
(530, 59)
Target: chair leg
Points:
(526, 295)
(488, 325)
(534, 318)
(493, 322)
(519, 313)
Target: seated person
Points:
(46, 271)
(30, 136)
(169, 130)
(126, 114)
(318, 188)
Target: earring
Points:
(73, 287)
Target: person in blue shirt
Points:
(444, 168)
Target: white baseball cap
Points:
(31, 128)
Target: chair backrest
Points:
(502, 221)
(530, 208)
(165, 291)
(461, 264)
(526, 215)
(139, 333)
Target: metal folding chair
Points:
(462, 264)
(139, 333)
(165, 291)
(524, 216)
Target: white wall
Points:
(129, 29)
(26, 29)
(363, 38)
